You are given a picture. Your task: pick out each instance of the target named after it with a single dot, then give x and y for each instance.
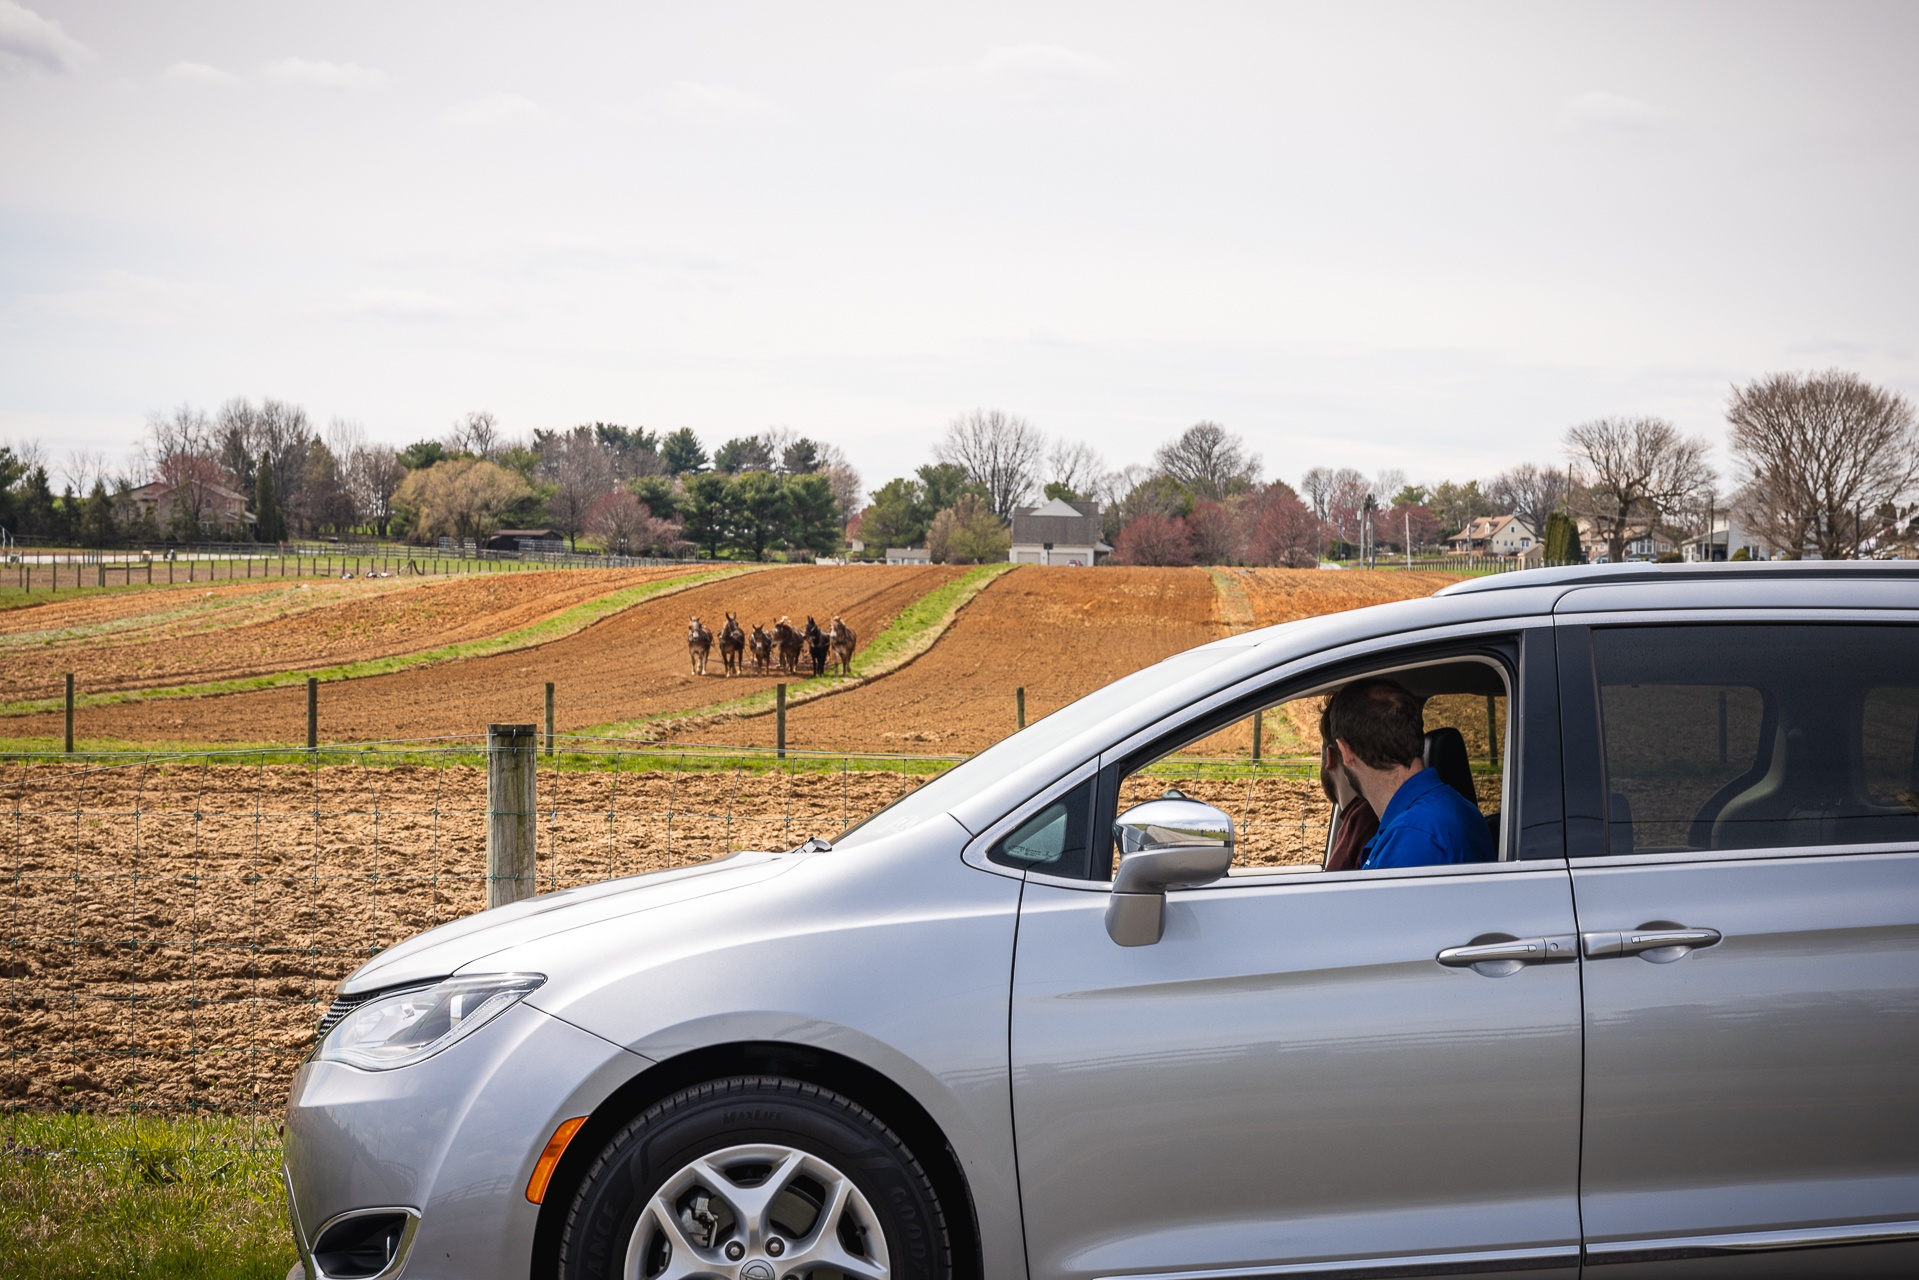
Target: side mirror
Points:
(1174, 843)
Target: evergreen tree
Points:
(657, 493)
(269, 523)
(682, 452)
(97, 526)
(1561, 538)
(706, 512)
(813, 518)
(757, 509)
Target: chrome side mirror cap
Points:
(1173, 843)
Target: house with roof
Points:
(909, 555)
(221, 509)
(1509, 535)
(1057, 532)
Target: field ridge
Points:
(565, 623)
(911, 633)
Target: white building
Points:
(908, 555)
(1057, 532)
(1494, 536)
(1733, 531)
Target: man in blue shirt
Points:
(1379, 739)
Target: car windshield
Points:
(1009, 756)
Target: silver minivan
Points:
(1089, 1005)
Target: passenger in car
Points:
(1355, 817)
(1379, 737)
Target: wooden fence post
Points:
(69, 713)
(313, 712)
(779, 721)
(1019, 705)
(549, 719)
(512, 811)
(1259, 723)
(1492, 730)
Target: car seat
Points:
(1445, 754)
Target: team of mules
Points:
(775, 652)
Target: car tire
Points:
(740, 1174)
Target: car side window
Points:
(1264, 767)
(1728, 736)
(1054, 840)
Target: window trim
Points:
(1503, 647)
(1588, 821)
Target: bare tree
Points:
(1346, 497)
(1531, 492)
(1209, 461)
(581, 471)
(84, 468)
(180, 452)
(1077, 465)
(1820, 453)
(373, 475)
(844, 479)
(1629, 471)
(1000, 453)
(1316, 486)
(478, 433)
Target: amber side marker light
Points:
(550, 1158)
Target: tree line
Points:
(1825, 464)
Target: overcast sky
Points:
(1427, 236)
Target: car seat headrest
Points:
(1445, 753)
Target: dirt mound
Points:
(630, 665)
(229, 633)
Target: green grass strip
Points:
(1235, 606)
(911, 633)
(169, 1199)
(564, 623)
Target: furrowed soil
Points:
(173, 933)
(1060, 633)
(181, 635)
(630, 665)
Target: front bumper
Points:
(452, 1140)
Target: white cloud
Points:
(1021, 70)
(306, 73)
(495, 108)
(1601, 110)
(400, 304)
(199, 74)
(29, 42)
(714, 101)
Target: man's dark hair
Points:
(1383, 723)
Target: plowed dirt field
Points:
(630, 665)
(179, 635)
(1060, 633)
(174, 933)
(1285, 595)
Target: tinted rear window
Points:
(1760, 736)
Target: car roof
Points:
(1599, 575)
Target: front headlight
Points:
(406, 1027)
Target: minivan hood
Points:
(455, 945)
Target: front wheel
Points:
(756, 1178)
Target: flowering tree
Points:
(1154, 540)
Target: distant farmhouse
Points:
(1057, 532)
(528, 541)
(1494, 536)
(908, 555)
(222, 508)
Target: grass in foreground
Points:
(193, 1198)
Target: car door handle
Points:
(1547, 950)
(1654, 944)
